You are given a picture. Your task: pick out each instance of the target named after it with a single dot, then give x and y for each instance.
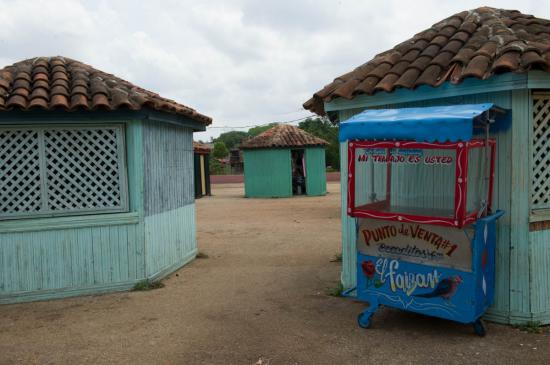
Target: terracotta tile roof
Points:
(281, 136)
(477, 43)
(201, 148)
(51, 83)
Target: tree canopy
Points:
(232, 139)
(323, 128)
(220, 150)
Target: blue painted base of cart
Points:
(461, 296)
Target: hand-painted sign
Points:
(419, 243)
(405, 156)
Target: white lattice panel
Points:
(19, 172)
(82, 168)
(540, 186)
(60, 170)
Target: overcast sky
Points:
(241, 62)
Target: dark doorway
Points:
(298, 172)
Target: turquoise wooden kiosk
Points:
(284, 161)
(96, 181)
(483, 55)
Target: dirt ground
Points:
(260, 297)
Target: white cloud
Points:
(242, 62)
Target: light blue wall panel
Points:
(77, 260)
(168, 167)
(170, 240)
(267, 173)
(316, 176)
(170, 233)
(540, 279)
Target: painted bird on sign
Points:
(445, 289)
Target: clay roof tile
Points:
(60, 101)
(430, 76)
(531, 57)
(387, 84)
(508, 61)
(477, 67)
(463, 56)
(408, 78)
(38, 102)
(367, 85)
(17, 101)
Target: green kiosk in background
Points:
(282, 162)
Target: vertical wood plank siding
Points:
(169, 191)
(540, 279)
(72, 261)
(316, 176)
(170, 240)
(168, 167)
(267, 173)
(502, 198)
(520, 198)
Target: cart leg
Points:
(479, 327)
(363, 319)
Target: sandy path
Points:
(260, 294)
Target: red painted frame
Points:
(461, 217)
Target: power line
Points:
(264, 124)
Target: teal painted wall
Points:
(170, 240)
(169, 195)
(267, 173)
(70, 261)
(540, 279)
(44, 258)
(520, 295)
(316, 176)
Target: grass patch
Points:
(148, 285)
(337, 257)
(335, 291)
(202, 255)
(532, 327)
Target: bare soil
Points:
(260, 297)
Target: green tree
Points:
(220, 150)
(252, 132)
(323, 128)
(231, 139)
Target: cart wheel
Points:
(363, 320)
(479, 328)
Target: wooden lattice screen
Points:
(540, 185)
(62, 170)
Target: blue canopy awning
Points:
(430, 124)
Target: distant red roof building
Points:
(201, 148)
(283, 136)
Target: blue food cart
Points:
(420, 185)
